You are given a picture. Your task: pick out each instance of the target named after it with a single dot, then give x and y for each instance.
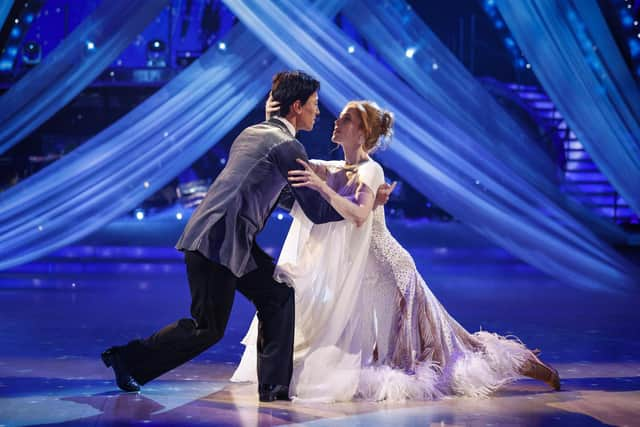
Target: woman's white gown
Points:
(367, 326)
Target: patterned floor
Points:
(57, 315)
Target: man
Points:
(221, 254)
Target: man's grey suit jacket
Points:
(238, 203)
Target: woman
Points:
(367, 325)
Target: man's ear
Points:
(296, 107)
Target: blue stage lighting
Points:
(6, 65)
(410, 52)
(351, 49)
(31, 53)
(12, 50)
(15, 32)
(179, 216)
(490, 7)
(28, 18)
(90, 45)
(222, 46)
(156, 46)
(626, 19)
(634, 48)
(139, 214)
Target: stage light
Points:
(139, 213)
(351, 49)
(435, 66)
(90, 45)
(31, 53)
(185, 58)
(223, 161)
(28, 18)
(6, 65)
(17, 21)
(179, 216)
(12, 50)
(280, 217)
(146, 184)
(222, 46)
(528, 66)
(156, 46)
(156, 54)
(634, 48)
(15, 32)
(410, 52)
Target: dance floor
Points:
(59, 313)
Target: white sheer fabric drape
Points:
(435, 156)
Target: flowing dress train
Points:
(367, 325)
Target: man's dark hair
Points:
(289, 86)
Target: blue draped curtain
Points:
(72, 66)
(432, 154)
(437, 75)
(5, 8)
(116, 170)
(573, 55)
(123, 165)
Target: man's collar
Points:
(287, 123)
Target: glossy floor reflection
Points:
(58, 314)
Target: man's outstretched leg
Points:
(212, 292)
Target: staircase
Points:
(583, 180)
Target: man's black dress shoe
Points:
(271, 392)
(125, 381)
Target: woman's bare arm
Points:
(356, 210)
